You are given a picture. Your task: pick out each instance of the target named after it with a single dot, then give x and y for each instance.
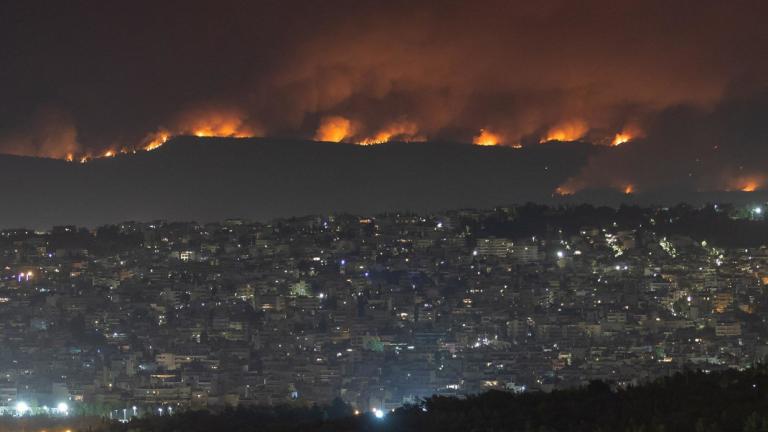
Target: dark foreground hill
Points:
(207, 179)
(728, 401)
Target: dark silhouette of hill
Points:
(205, 179)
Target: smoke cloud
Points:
(50, 133)
(663, 81)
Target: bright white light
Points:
(22, 408)
(560, 254)
(62, 408)
(379, 414)
(758, 210)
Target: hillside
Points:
(206, 179)
(215, 178)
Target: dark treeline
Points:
(722, 225)
(726, 401)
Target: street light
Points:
(62, 408)
(22, 408)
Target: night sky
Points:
(685, 82)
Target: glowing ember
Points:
(567, 131)
(109, 153)
(621, 138)
(378, 139)
(333, 129)
(629, 189)
(486, 138)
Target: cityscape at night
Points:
(362, 215)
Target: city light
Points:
(22, 408)
(62, 408)
(379, 414)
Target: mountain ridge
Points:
(206, 179)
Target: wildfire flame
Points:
(333, 129)
(214, 122)
(621, 138)
(629, 189)
(567, 131)
(203, 123)
(157, 140)
(746, 183)
(749, 187)
(405, 131)
(486, 138)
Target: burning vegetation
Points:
(486, 138)
(334, 129)
(406, 131)
(749, 183)
(572, 130)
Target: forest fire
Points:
(157, 140)
(334, 129)
(746, 184)
(204, 124)
(486, 138)
(214, 123)
(749, 187)
(621, 138)
(629, 189)
(572, 130)
(403, 131)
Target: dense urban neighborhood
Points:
(376, 311)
